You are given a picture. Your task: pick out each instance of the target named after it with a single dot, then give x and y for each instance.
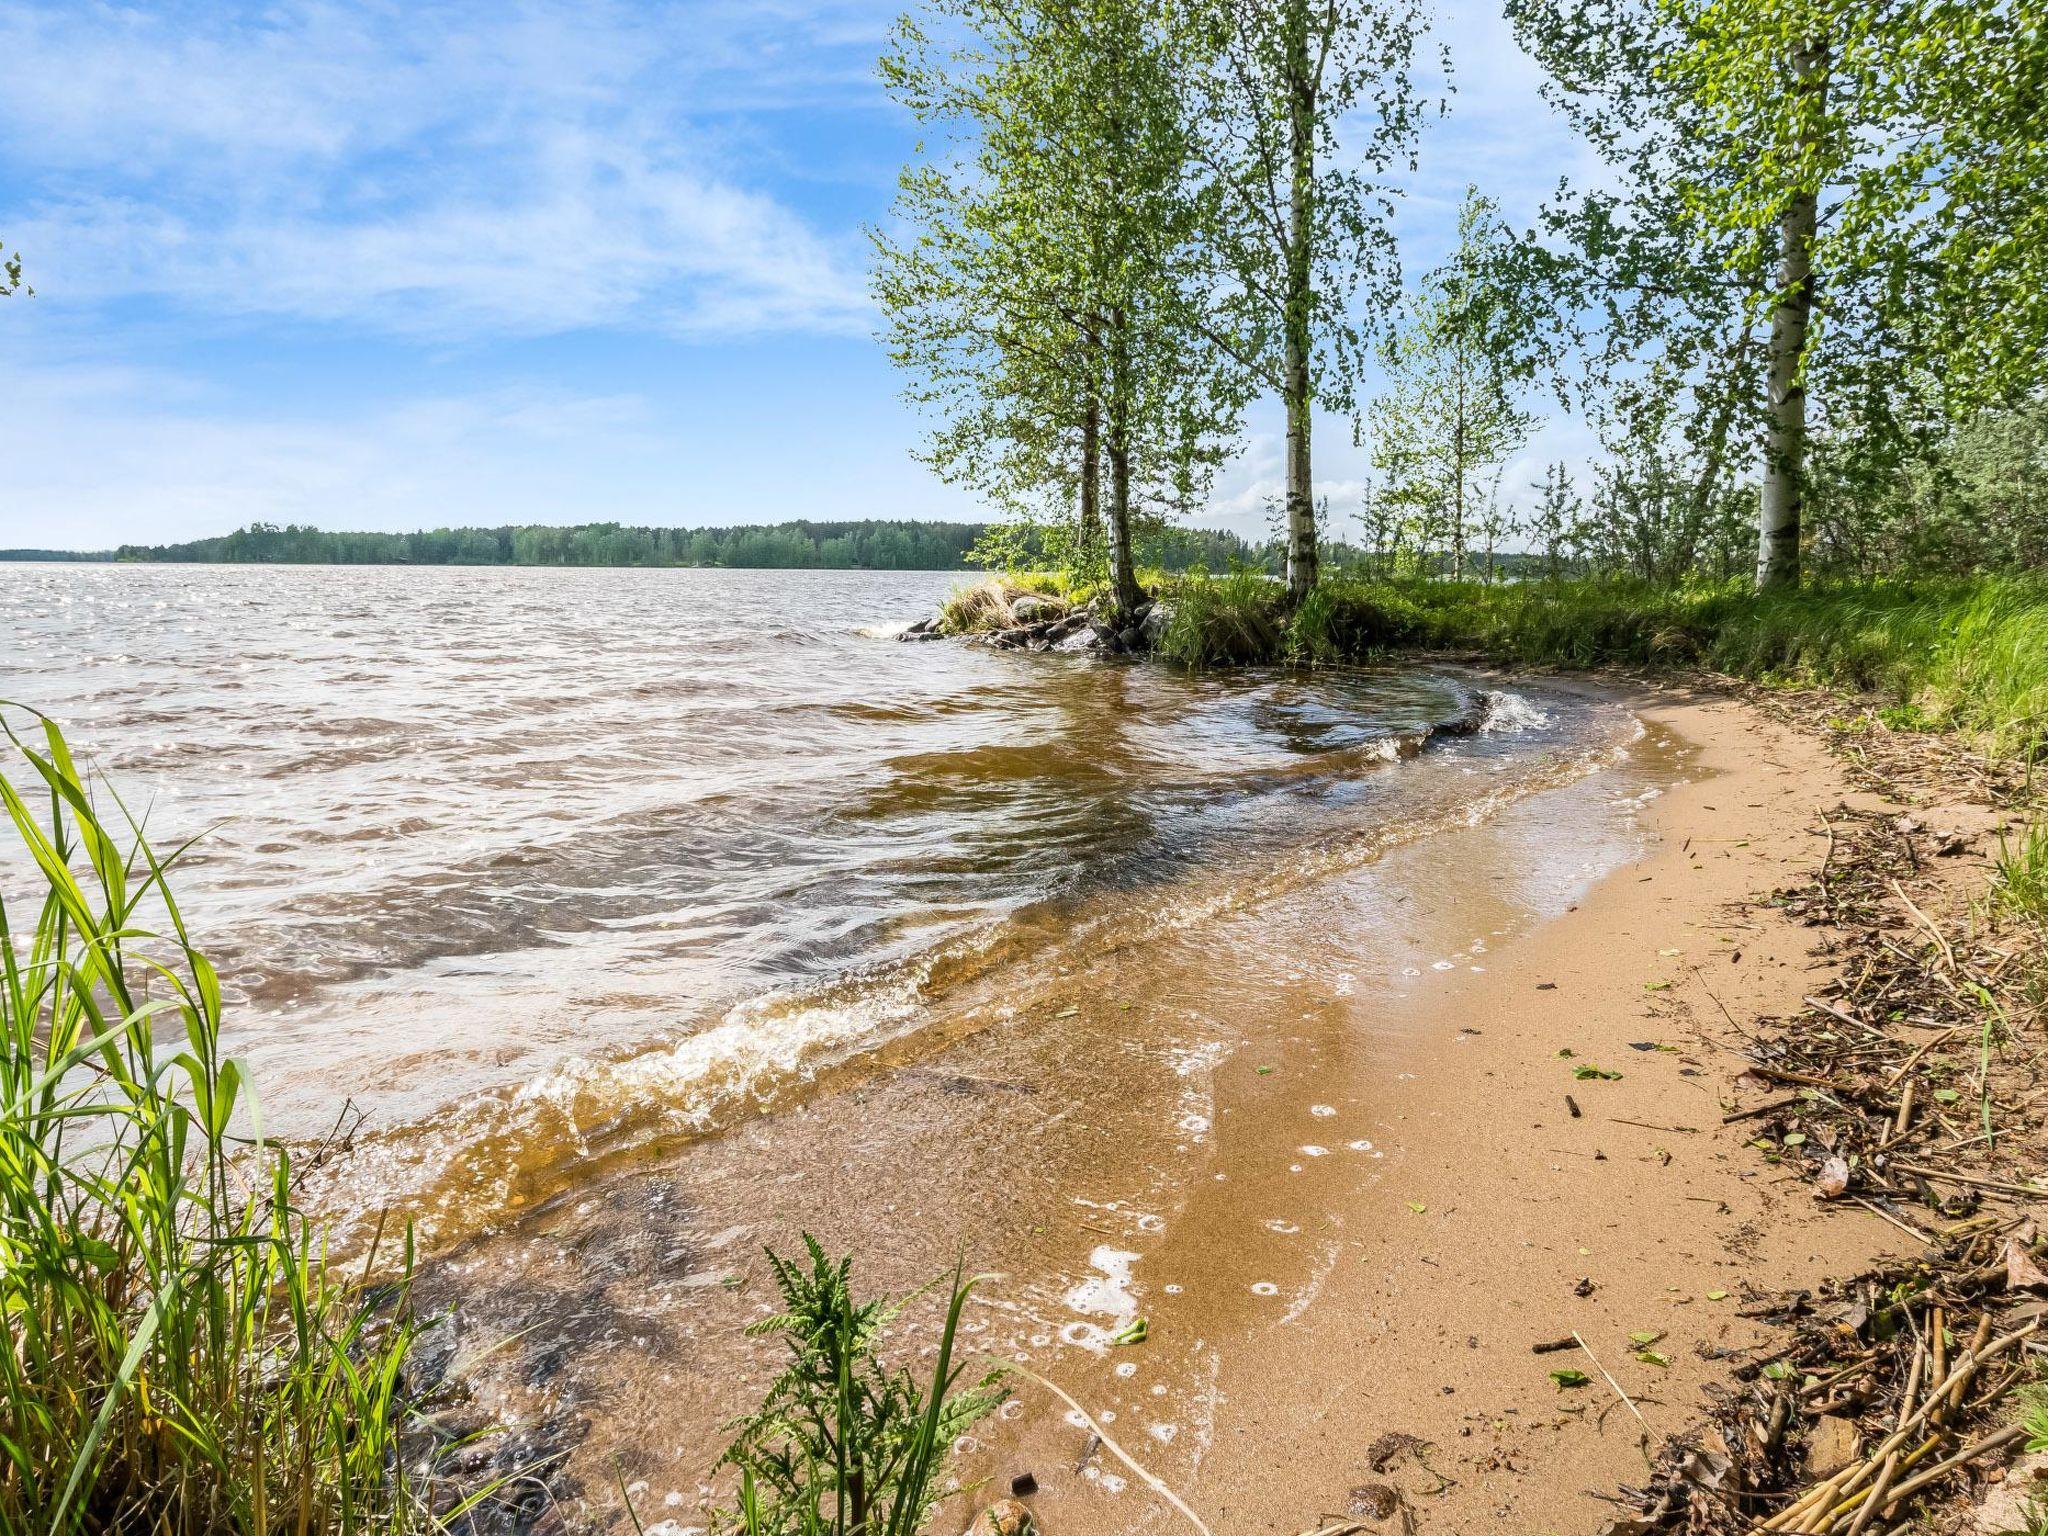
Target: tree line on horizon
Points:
(1803, 302)
(868, 544)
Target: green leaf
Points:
(1566, 1377)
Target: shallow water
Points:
(653, 915)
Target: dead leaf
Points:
(2021, 1272)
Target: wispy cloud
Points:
(439, 170)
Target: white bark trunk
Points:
(1782, 504)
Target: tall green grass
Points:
(181, 1360)
(1224, 620)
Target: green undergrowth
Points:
(182, 1360)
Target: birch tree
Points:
(1452, 414)
(1848, 193)
(1049, 301)
(1308, 106)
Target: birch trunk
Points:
(1296, 391)
(1091, 478)
(1783, 499)
(1125, 594)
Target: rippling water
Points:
(460, 822)
(563, 876)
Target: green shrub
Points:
(841, 1443)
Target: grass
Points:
(2022, 885)
(181, 1359)
(1967, 656)
(981, 606)
(2019, 896)
(1223, 620)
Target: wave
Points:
(499, 1153)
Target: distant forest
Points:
(871, 545)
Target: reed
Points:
(182, 1360)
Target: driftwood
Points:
(1917, 1080)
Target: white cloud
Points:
(438, 171)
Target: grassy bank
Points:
(1968, 656)
(1971, 657)
(181, 1359)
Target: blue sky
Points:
(394, 265)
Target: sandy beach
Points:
(1348, 1198)
(1498, 1204)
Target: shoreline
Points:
(1316, 1312)
(1469, 1243)
(1426, 1331)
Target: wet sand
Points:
(1425, 1318)
(1320, 1141)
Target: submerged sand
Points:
(1347, 1195)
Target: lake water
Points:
(647, 915)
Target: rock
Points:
(1005, 1517)
(2006, 1508)
(923, 629)
(1374, 1501)
(1092, 636)
(1030, 608)
(1833, 1181)
(1153, 626)
(1830, 1446)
